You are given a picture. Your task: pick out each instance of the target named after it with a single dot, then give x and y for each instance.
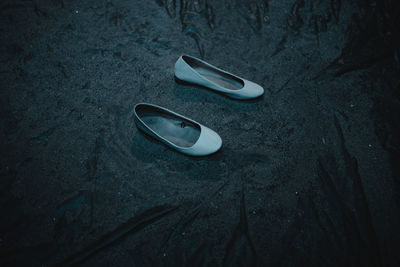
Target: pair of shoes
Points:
(181, 133)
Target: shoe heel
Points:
(177, 80)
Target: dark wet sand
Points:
(308, 174)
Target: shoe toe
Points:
(253, 90)
(208, 143)
(250, 90)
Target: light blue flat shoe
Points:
(193, 70)
(176, 131)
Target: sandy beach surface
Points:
(308, 174)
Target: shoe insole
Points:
(177, 130)
(221, 78)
